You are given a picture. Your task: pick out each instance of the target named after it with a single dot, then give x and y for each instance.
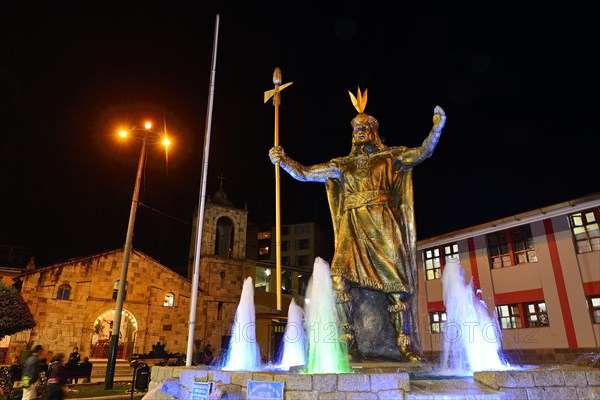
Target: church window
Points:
(116, 290)
(64, 291)
(169, 300)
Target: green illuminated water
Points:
(325, 353)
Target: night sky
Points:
(519, 91)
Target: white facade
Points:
(549, 287)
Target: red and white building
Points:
(539, 271)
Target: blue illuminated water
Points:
(243, 353)
(472, 337)
(293, 345)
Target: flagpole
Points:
(275, 93)
(202, 201)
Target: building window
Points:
(169, 300)
(64, 291)
(284, 245)
(535, 314)
(511, 247)
(594, 307)
(262, 281)
(436, 321)
(301, 229)
(303, 283)
(302, 261)
(434, 259)
(285, 260)
(302, 244)
(264, 235)
(285, 230)
(286, 282)
(509, 316)
(263, 251)
(167, 327)
(586, 234)
(116, 290)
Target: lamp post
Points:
(142, 133)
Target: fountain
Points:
(293, 348)
(314, 343)
(325, 353)
(243, 353)
(471, 364)
(472, 339)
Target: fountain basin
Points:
(388, 380)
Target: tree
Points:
(15, 315)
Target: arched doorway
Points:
(102, 331)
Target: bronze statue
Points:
(371, 202)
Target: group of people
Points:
(77, 368)
(57, 373)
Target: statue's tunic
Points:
(370, 249)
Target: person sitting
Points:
(71, 369)
(15, 370)
(85, 370)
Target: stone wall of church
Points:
(64, 324)
(221, 282)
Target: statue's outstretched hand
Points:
(439, 118)
(276, 154)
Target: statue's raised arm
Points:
(415, 155)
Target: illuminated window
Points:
(64, 291)
(264, 235)
(536, 314)
(262, 281)
(436, 321)
(586, 234)
(434, 259)
(509, 316)
(116, 290)
(263, 251)
(594, 307)
(169, 300)
(511, 247)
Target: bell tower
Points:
(223, 231)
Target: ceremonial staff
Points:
(276, 101)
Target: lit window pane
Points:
(589, 216)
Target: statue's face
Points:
(363, 134)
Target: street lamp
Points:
(146, 135)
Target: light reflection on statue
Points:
(370, 197)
